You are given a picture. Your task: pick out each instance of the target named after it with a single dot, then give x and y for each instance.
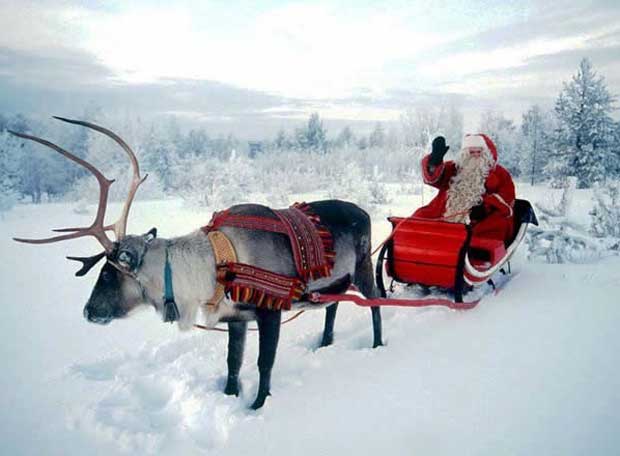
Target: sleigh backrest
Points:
(425, 252)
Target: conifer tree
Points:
(585, 136)
(377, 137)
(535, 136)
(315, 134)
(9, 171)
(503, 133)
(345, 138)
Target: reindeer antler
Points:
(120, 226)
(87, 263)
(97, 229)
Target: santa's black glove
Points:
(477, 212)
(438, 151)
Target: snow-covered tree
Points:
(216, 184)
(378, 191)
(559, 239)
(345, 138)
(536, 128)
(452, 125)
(362, 143)
(195, 144)
(223, 146)
(9, 171)
(503, 133)
(161, 157)
(585, 134)
(41, 172)
(606, 211)
(350, 183)
(377, 137)
(420, 125)
(316, 134)
(282, 141)
(77, 139)
(313, 136)
(564, 244)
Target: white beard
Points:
(467, 186)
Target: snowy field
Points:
(531, 371)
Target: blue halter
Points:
(171, 311)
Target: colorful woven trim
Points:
(224, 252)
(311, 242)
(251, 222)
(252, 285)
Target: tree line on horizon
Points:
(578, 138)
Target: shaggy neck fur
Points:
(467, 186)
(193, 274)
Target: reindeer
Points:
(134, 271)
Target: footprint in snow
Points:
(172, 391)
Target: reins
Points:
(205, 328)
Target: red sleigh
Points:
(442, 254)
(438, 254)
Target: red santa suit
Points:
(490, 185)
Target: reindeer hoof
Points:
(232, 387)
(260, 401)
(326, 341)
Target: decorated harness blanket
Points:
(311, 244)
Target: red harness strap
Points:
(311, 246)
(253, 285)
(311, 242)
(250, 222)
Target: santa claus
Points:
(473, 189)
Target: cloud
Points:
(248, 66)
(546, 22)
(54, 68)
(70, 80)
(511, 66)
(302, 50)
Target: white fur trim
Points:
(476, 141)
(428, 176)
(503, 201)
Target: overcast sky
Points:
(252, 67)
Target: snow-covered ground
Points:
(533, 370)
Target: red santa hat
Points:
(481, 141)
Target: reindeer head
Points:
(117, 290)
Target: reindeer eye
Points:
(126, 259)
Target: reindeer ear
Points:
(152, 234)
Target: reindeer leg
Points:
(328, 331)
(268, 335)
(365, 281)
(236, 344)
(376, 326)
